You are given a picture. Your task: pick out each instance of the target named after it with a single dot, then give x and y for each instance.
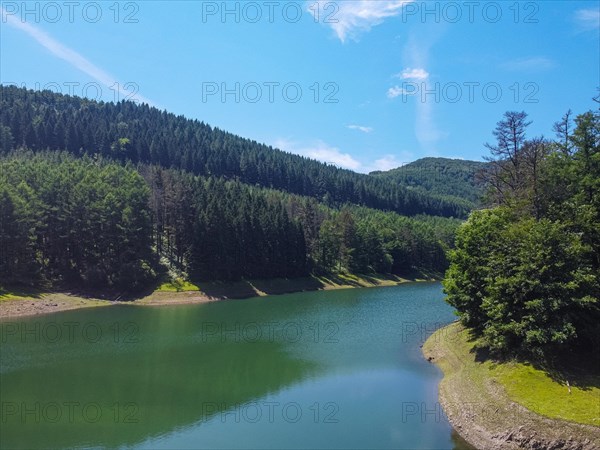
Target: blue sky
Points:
(367, 85)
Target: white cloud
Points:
(360, 128)
(529, 64)
(68, 55)
(417, 74)
(396, 91)
(349, 18)
(588, 19)
(323, 152)
(389, 161)
(386, 163)
(413, 74)
(320, 151)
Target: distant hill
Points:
(449, 178)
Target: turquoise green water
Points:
(337, 369)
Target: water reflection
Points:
(198, 376)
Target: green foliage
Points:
(537, 289)
(68, 220)
(526, 275)
(6, 139)
(466, 281)
(404, 244)
(18, 253)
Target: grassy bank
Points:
(186, 292)
(274, 286)
(512, 405)
(30, 301)
(23, 302)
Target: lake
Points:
(331, 369)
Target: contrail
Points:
(70, 56)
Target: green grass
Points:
(178, 286)
(19, 293)
(348, 276)
(538, 392)
(280, 285)
(524, 384)
(345, 279)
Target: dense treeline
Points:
(73, 221)
(126, 132)
(211, 228)
(456, 179)
(525, 275)
(67, 220)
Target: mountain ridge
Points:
(459, 179)
(126, 131)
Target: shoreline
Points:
(52, 302)
(480, 410)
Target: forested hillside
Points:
(126, 131)
(451, 178)
(67, 221)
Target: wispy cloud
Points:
(588, 19)
(426, 129)
(70, 56)
(360, 128)
(320, 151)
(326, 153)
(413, 74)
(416, 55)
(397, 91)
(350, 18)
(534, 63)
